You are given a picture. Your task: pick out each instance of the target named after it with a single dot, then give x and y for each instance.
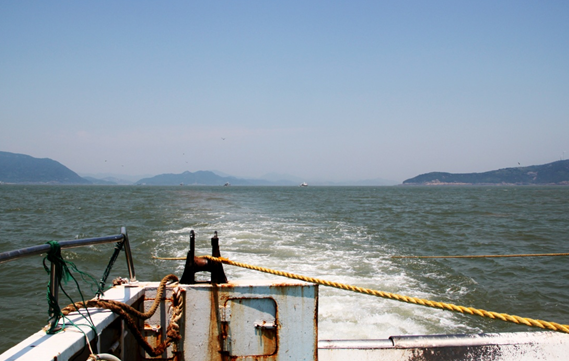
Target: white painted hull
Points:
(267, 321)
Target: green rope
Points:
(63, 274)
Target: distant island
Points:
(556, 173)
(198, 178)
(21, 168)
(24, 169)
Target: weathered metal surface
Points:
(153, 335)
(251, 321)
(518, 346)
(156, 326)
(252, 327)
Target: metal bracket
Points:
(266, 325)
(224, 313)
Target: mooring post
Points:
(217, 272)
(189, 275)
(199, 264)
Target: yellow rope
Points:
(491, 256)
(445, 306)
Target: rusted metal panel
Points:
(153, 335)
(235, 321)
(156, 326)
(252, 327)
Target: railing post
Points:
(129, 262)
(54, 293)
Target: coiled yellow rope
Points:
(418, 301)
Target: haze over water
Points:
(323, 91)
(345, 234)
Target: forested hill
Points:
(21, 168)
(556, 173)
(197, 178)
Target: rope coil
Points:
(129, 313)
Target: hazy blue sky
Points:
(318, 89)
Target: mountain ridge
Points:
(22, 168)
(198, 178)
(555, 173)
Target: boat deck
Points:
(263, 321)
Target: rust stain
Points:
(152, 335)
(269, 341)
(161, 300)
(315, 322)
(217, 329)
(281, 285)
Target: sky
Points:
(321, 90)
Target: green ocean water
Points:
(345, 234)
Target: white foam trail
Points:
(334, 252)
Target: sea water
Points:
(343, 234)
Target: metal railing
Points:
(44, 248)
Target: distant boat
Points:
(227, 184)
(304, 184)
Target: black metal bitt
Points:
(189, 275)
(196, 264)
(192, 252)
(217, 273)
